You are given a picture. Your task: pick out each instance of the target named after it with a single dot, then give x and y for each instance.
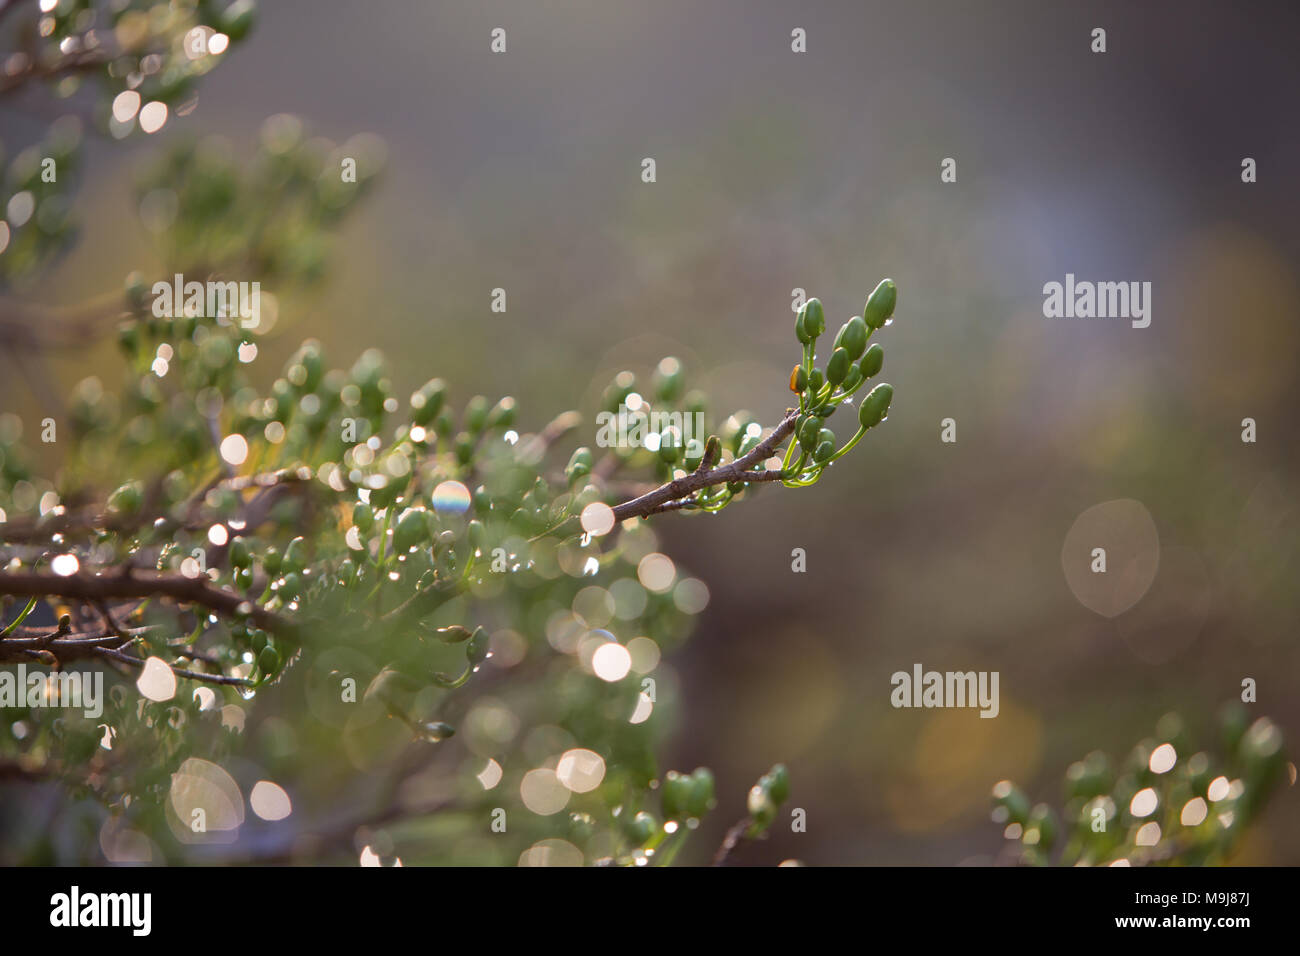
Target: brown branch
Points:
(90, 588)
(739, 470)
(86, 61)
(178, 671)
(534, 449)
(29, 326)
(731, 841)
(64, 647)
(87, 520)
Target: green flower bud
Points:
(822, 453)
(815, 318)
(880, 304)
(815, 381)
(1043, 821)
(668, 379)
(616, 393)
(581, 827)
(778, 786)
(1007, 796)
(282, 393)
(809, 431)
(295, 555)
(1089, 777)
(801, 326)
(390, 491)
(128, 499)
(445, 423)
(305, 368)
(290, 585)
(677, 792)
(476, 413)
(670, 446)
(502, 414)
(838, 366)
(872, 362)
(428, 401)
(239, 556)
(641, 828)
(268, 660)
(579, 465)
(478, 650)
(347, 571)
(363, 517)
(700, 798)
(854, 337)
(798, 379)
(128, 337)
(762, 809)
(271, 561)
(713, 450)
(875, 405)
(237, 19)
(1261, 749)
(851, 379)
(464, 448)
(412, 529)
(477, 534)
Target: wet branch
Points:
(668, 497)
(144, 584)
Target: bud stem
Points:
(848, 447)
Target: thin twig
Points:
(731, 841)
(25, 531)
(178, 671)
(535, 448)
(738, 470)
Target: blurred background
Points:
(821, 171)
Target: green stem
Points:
(20, 618)
(849, 447)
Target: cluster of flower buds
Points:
(766, 797)
(688, 796)
(852, 364)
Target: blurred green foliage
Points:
(485, 696)
(1166, 804)
(345, 582)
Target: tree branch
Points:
(140, 584)
(739, 470)
(87, 520)
(55, 648)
